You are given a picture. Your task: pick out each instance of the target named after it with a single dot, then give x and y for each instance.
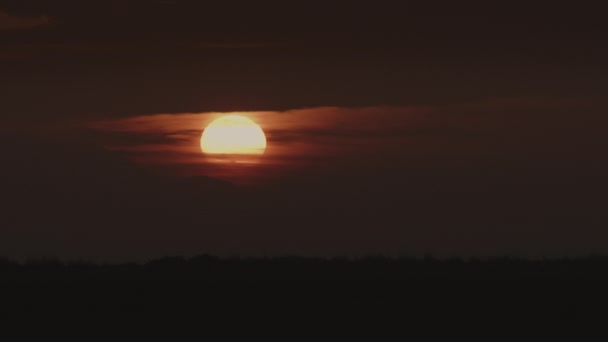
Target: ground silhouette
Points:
(532, 290)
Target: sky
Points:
(466, 129)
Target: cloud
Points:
(10, 22)
(543, 135)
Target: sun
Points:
(233, 134)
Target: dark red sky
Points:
(461, 129)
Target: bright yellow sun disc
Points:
(233, 134)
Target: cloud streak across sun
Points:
(334, 139)
(296, 139)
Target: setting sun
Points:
(233, 134)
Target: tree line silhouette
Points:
(415, 288)
(210, 268)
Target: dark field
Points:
(206, 268)
(424, 288)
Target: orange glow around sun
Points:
(233, 134)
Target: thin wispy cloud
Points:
(10, 21)
(493, 130)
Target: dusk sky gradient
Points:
(467, 129)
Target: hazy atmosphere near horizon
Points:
(134, 129)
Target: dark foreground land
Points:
(422, 288)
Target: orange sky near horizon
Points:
(305, 138)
